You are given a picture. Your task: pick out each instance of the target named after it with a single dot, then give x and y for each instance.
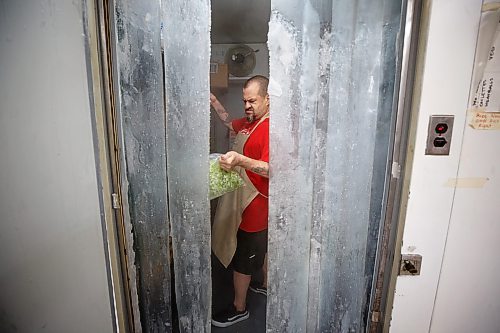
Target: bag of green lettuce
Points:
(221, 181)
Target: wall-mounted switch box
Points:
(439, 135)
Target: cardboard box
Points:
(219, 76)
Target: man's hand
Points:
(229, 160)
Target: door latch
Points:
(116, 200)
(410, 264)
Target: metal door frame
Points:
(126, 302)
(387, 253)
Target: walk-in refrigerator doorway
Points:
(340, 81)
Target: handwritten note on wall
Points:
(484, 120)
(484, 102)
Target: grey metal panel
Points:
(53, 269)
(187, 52)
(331, 98)
(142, 119)
(240, 21)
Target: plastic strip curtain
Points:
(186, 38)
(142, 118)
(332, 72)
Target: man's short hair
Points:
(262, 81)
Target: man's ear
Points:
(267, 100)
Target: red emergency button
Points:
(441, 128)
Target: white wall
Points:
(455, 229)
(53, 268)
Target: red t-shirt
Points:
(255, 215)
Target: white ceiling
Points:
(240, 21)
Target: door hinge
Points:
(375, 316)
(116, 200)
(396, 170)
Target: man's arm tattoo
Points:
(263, 171)
(225, 117)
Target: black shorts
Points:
(251, 250)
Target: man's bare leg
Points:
(241, 283)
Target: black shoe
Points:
(229, 317)
(258, 288)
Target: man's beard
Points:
(250, 118)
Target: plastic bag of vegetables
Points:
(221, 181)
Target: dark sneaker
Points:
(229, 317)
(258, 288)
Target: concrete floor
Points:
(223, 294)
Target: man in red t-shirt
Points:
(250, 155)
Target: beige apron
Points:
(231, 206)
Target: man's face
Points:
(255, 105)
